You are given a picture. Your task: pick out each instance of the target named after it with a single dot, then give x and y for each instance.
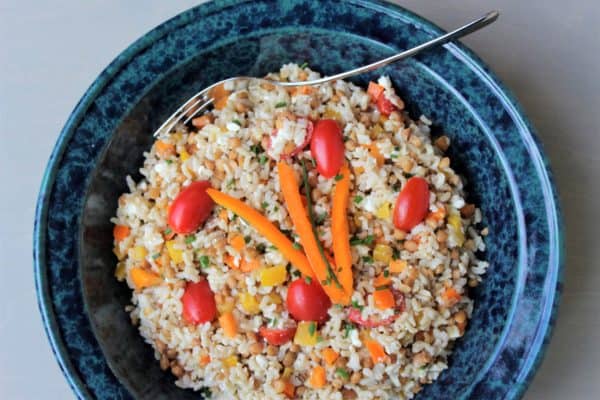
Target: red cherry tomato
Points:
(384, 105)
(198, 302)
(307, 301)
(277, 337)
(327, 147)
(412, 204)
(191, 208)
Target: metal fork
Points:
(201, 101)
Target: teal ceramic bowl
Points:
(493, 146)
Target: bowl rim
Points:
(468, 57)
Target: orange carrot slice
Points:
(120, 232)
(339, 230)
(375, 350)
(317, 377)
(298, 214)
(265, 228)
(229, 324)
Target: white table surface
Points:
(547, 51)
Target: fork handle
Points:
(455, 34)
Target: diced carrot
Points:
(330, 355)
(384, 299)
(202, 121)
(375, 153)
(375, 350)
(339, 230)
(265, 228)
(438, 215)
(302, 224)
(204, 360)
(249, 265)
(375, 90)
(381, 280)
(397, 266)
(238, 242)
(229, 324)
(223, 215)
(450, 296)
(317, 377)
(289, 389)
(164, 149)
(143, 278)
(120, 232)
(230, 261)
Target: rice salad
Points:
(392, 301)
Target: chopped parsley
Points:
(395, 254)
(169, 161)
(155, 256)
(347, 328)
(230, 183)
(263, 159)
(367, 259)
(256, 149)
(264, 205)
(297, 274)
(319, 339)
(308, 280)
(271, 247)
(367, 240)
(274, 322)
(297, 246)
(342, 372)
(312, 328)
(280, 104)
(261, 248)
(358, 199)
(168, 231)
(237, 122)
(320, 218)
(386, 273)
(204, 261)
(190, 239)
(339, 177)
(304, 65)
(356, 305)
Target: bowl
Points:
(493, 146)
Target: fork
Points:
(201, 101)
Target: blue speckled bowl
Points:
(493, 145)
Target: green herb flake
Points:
(237, 122)
(276, 208)
(369, 240)
(274, 322)
(204, 261)
(382, 287)
(247, 239)
(263, 159)
(280, 104)
(190, 239)
(168, 231)
(155, 256)
(386, 273)
(230, 183)
(356, 305)
(169, 162)
(256, 149)
(319, 339)
(358, 199)
(342, 373)
(321, 218)
(347, 328)
(234, 217)
(395, 254)
(297, 246)
(271, 247)
(264, 205)
(367, 259)
(308, 280)
(339, 177)
(304, 65)
(261, 248)
(297, 274)
(312, 328)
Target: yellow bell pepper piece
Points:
(306, 333)
(273, 276)
(455, 223)
(384, 211)
(275, 298)
(184, 155)
(383, 253)
(139, 253)
(120, 272)
(249, 303)
(175, 254)
(230, 361)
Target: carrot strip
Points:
(339, 230)
(304, 229)
(142, 278)
(265, 228)
(120, 232)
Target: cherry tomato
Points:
(277, 337)
(198, 302)
(191, 208)
(355, 316)
(307, 301)
(412, 204)
(327, 147)
(384, 105)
